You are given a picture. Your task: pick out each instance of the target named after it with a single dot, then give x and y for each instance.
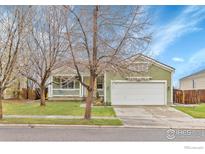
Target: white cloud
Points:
(178, 59)
(198, 58)
(193, 64)
(186, 22)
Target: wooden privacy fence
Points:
(189, 96)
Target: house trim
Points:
(49, 87)
(67, 90)
(51, 92)
(105, 87)
(171, 87)
(82, 88)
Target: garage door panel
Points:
(137, 93)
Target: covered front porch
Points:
(68, 87)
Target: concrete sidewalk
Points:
(55, 117)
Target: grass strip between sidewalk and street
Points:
(99, 122)
(194, 111)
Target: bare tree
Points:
(45, 46)
(104, 37)
(12, 23)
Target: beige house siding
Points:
(187, 83)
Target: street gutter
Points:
(90, 126)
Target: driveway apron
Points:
(156, 117)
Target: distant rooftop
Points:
(196, 73)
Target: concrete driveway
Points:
(156, 117)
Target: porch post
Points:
(82, 88)
(51, 87)
(104, 87)
(49, 91)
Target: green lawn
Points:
(53, 108)
(196, 112)
(113, 122)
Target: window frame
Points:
(102, 82)
(67, 83)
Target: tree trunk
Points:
(1, 105)
(89, 98)
(88, 108)
(43, 99)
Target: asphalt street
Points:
(79, 133)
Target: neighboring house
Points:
(153, 86)
(194, 81)
(14, 91)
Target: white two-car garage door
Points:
(138, 93)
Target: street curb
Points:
(92, 126)
(57, 126)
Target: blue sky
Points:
(179, 38)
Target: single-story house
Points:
(152, 87)
(195, 81)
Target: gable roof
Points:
(193, 74)
(156, 62)
(67, 67)
(61, 65)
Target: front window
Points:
(100, 81)
(77, 84)
(56, 82)
(65, 83)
